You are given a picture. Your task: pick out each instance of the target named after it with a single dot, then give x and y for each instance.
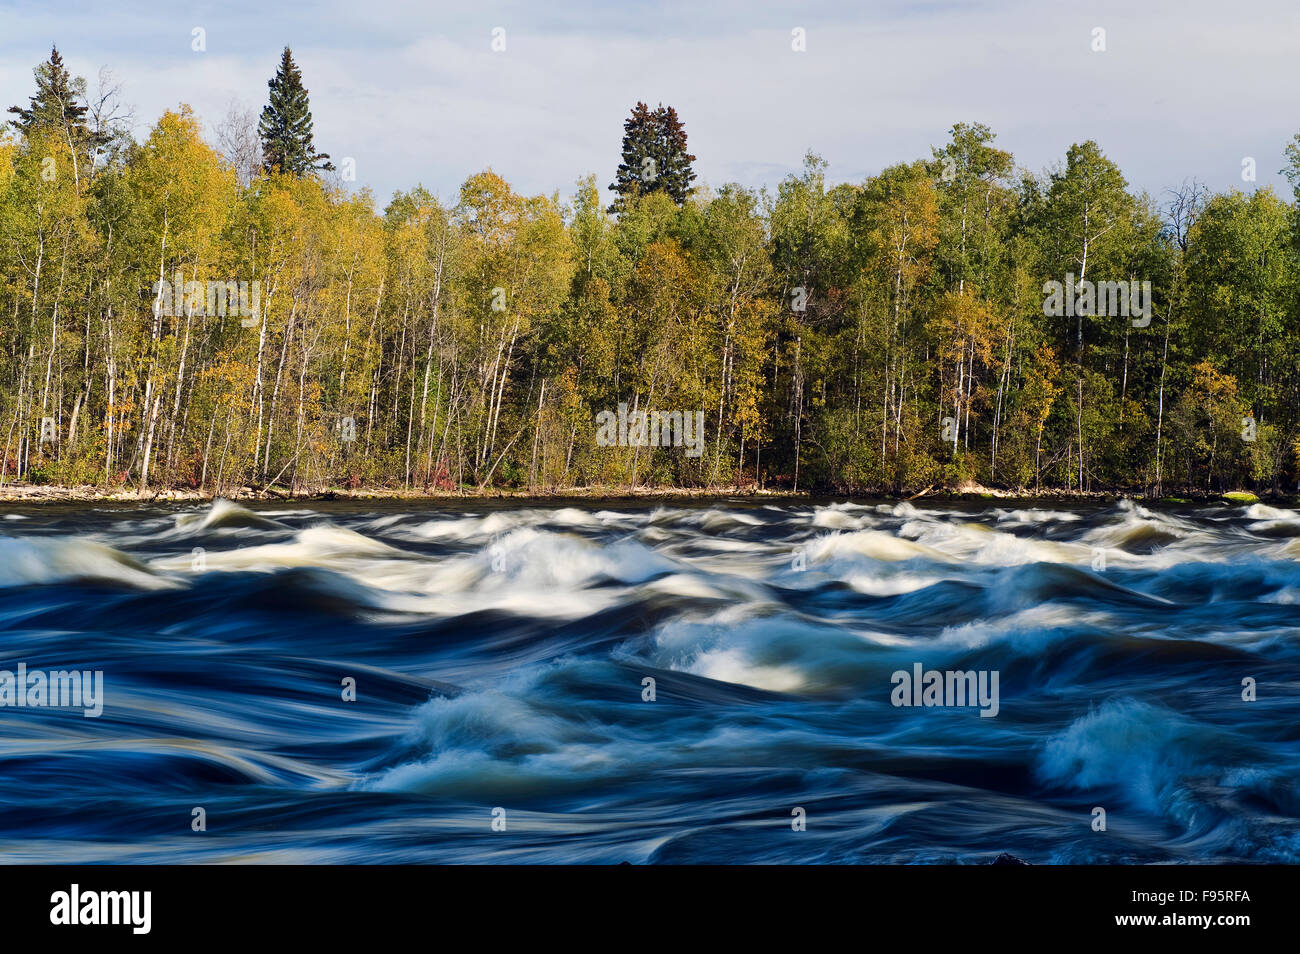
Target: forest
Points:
(218, 311)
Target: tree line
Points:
(882, 336)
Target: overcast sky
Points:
(414, 93)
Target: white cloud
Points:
(414, 93)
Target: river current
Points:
(714, 681)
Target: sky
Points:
(414, 93)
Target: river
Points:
(713, 681)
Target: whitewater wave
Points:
(646, 682)
(34, 560)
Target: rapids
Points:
(500, 655)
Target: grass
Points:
(1240, 497)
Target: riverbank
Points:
(88, 493)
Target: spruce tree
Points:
(654, 157)
(57, 105)
(285, 125)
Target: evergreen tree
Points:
(285, 125)
(654, 157)
(57, 105)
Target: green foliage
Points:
(59, 109)
(286, 125)
(886, 335)
(655, 159)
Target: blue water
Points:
(500, 655)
